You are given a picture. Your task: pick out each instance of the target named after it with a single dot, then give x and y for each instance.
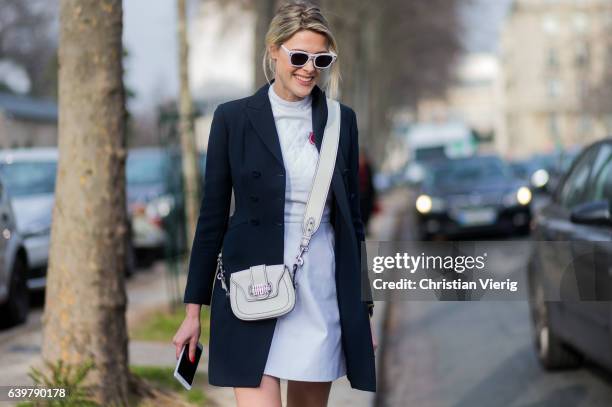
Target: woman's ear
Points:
(273, 51)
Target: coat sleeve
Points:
(213, 216)
(355, 209)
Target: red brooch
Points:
(311, 138)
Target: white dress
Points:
(307, 341)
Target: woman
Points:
(265, 147)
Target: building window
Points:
(553, 126)
(585, 124)
(553, 59)
(608, 123)
(608, 20)
(553, 88)
(582, 89)
(580, 22)
(582, 54)
(550, 24)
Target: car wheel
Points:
(18, 304)
(551, 351)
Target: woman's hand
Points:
(188, 332)
(374, 340)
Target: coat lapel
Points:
(259, 111)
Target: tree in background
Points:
(264, 11)
(28, 43)
(188, 147)
(392, 54)
(85, 302)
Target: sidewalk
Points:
(20, 347)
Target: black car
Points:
(471, 195)
(573, 254)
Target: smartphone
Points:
(185, 370)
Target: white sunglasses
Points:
(321, 60)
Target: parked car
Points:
(566, 158)
(156, 201)
(543, 171)
(29, 176)
(14, 293)
(475, 194)
(534, 171)
(578, 214)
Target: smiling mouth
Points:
(304, 79)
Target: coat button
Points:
(279, 223)
(256, 174)
(254, 222)
(281, 175)
(254, 198)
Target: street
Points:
(479, 353)
(476, 354)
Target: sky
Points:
(149, 35)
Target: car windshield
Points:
(145, 169)
(521, 169)
(468, 171)
(25, 178)
(546, 162)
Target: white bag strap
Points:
(322, 179)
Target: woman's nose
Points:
(309, 67)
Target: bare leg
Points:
(266, 395)
(307, 394)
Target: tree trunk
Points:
(189, 153)
(264, 11)
(84, 316)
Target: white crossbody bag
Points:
(269, 291)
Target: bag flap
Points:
(258, 275)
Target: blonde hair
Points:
(297, 16)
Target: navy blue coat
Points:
(244, 154)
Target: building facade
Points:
(553, 53)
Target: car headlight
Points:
(539, 178)
(160, 207)
(426, 204)
(521, 196)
